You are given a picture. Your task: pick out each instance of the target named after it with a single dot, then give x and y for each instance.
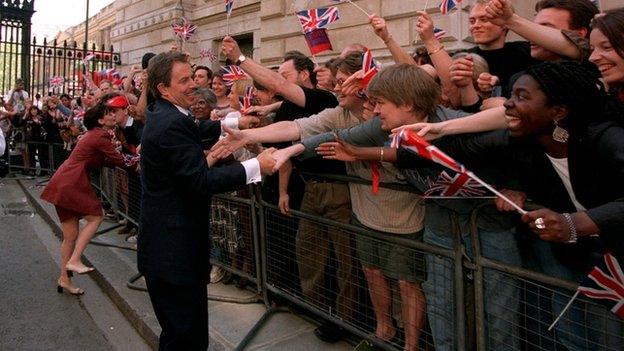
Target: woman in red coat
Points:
(72, 195)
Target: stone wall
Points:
(140, 26)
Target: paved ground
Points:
(95, 322)
(33, 316)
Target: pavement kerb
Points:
(147, 333)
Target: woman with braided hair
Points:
(565, 145)
(567, 149)
(607, 40)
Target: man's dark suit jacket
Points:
(174, 241)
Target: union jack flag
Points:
(209, 54)
(459, 185)
(418, 145)
(229, 4)
(370, 67)
(606, 283)
(57, 82)
(184, 31)
(439, 33)
(131, 160)
(248, 98)
(87, 58)
(232, 74)
(317, 18)
(448, 5)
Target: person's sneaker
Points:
(132, 238)
(329, 332)
(216, 274)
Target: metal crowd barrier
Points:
(35, 156)
(320, 270)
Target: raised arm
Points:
(501, 12)
(440, 59)
(266, 77)
(381, 30)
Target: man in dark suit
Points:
(174, 241)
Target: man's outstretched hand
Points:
(267, 161)
(234, 140)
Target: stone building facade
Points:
(268, 28)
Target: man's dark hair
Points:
(581, 11)
(301, 63)
(146, 58)
(350, 64)
(332, 64)
(159, 69)
(65, 96)
(208, 71)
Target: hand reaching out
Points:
(230, 48)
(234, 140)
(267, 161)
(337, 150)
(429, 131)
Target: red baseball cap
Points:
(118, 101)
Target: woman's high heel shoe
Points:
(73, 291)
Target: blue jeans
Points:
(584, 326)
(501, 292)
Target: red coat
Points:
(70, 187)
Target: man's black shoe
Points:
(329, 332)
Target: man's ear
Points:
(583, 32)
(305, 75)
(162, 89)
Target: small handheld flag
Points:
(370, 68)
(447, 5)
(460, 185)
(605, 283)
(318, 41)
(209, 54)
(317, 18)
(418, 145)
(248, 98)
(232, 74)
(57, 82)
(184, 30)
(439, 33)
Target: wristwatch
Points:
(241, 59)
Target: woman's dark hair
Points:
(586, 100)
(28, 114)
(611, 24)
(92, 116)
(219, 75)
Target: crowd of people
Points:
(540, 120)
